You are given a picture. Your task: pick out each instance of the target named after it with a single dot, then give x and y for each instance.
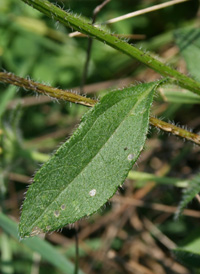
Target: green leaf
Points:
(146, 177)
(183, 96)
(42, 247)
(188, 40)
(189, 193)
(189, 253)
(8, 94)
(187, 258)
(87, 170)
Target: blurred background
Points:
(126, 236)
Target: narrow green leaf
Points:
(42, 247)
(87, 170)
(5, 98)
(188, 253)
(146, 177)
(9, 93)
(180, 96)
(188, 40)
(187, 258)
(189, 193)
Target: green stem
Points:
(75, 98)
(175, 130)
(83, 26)
(60, 94)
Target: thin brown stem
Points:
(98, 9)
(144, 11)
(154, 206)
(85, 69)
(129, 36)
(60, 94)
(89, 49)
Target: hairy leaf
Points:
(189, 193)
(87, 170)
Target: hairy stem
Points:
(75, 98)
(60, 94)
(175, 130)
(81, 25)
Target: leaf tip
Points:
(26, 234)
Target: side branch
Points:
(60, 94)
(175, 130)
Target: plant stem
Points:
(60, 94)
(175, 130)
(74, 98)
(81, 25)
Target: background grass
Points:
(122, 237)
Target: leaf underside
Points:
(87, 169)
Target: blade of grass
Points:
(48, 252)
(144, 176)
(172, 95)
(6, 97)
(6, 255)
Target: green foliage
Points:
(87, 170)
(81, 24)
(172, 95)
(187, 258)
(188, 253)
(188, 40)
(189, 193)
(38, 245)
